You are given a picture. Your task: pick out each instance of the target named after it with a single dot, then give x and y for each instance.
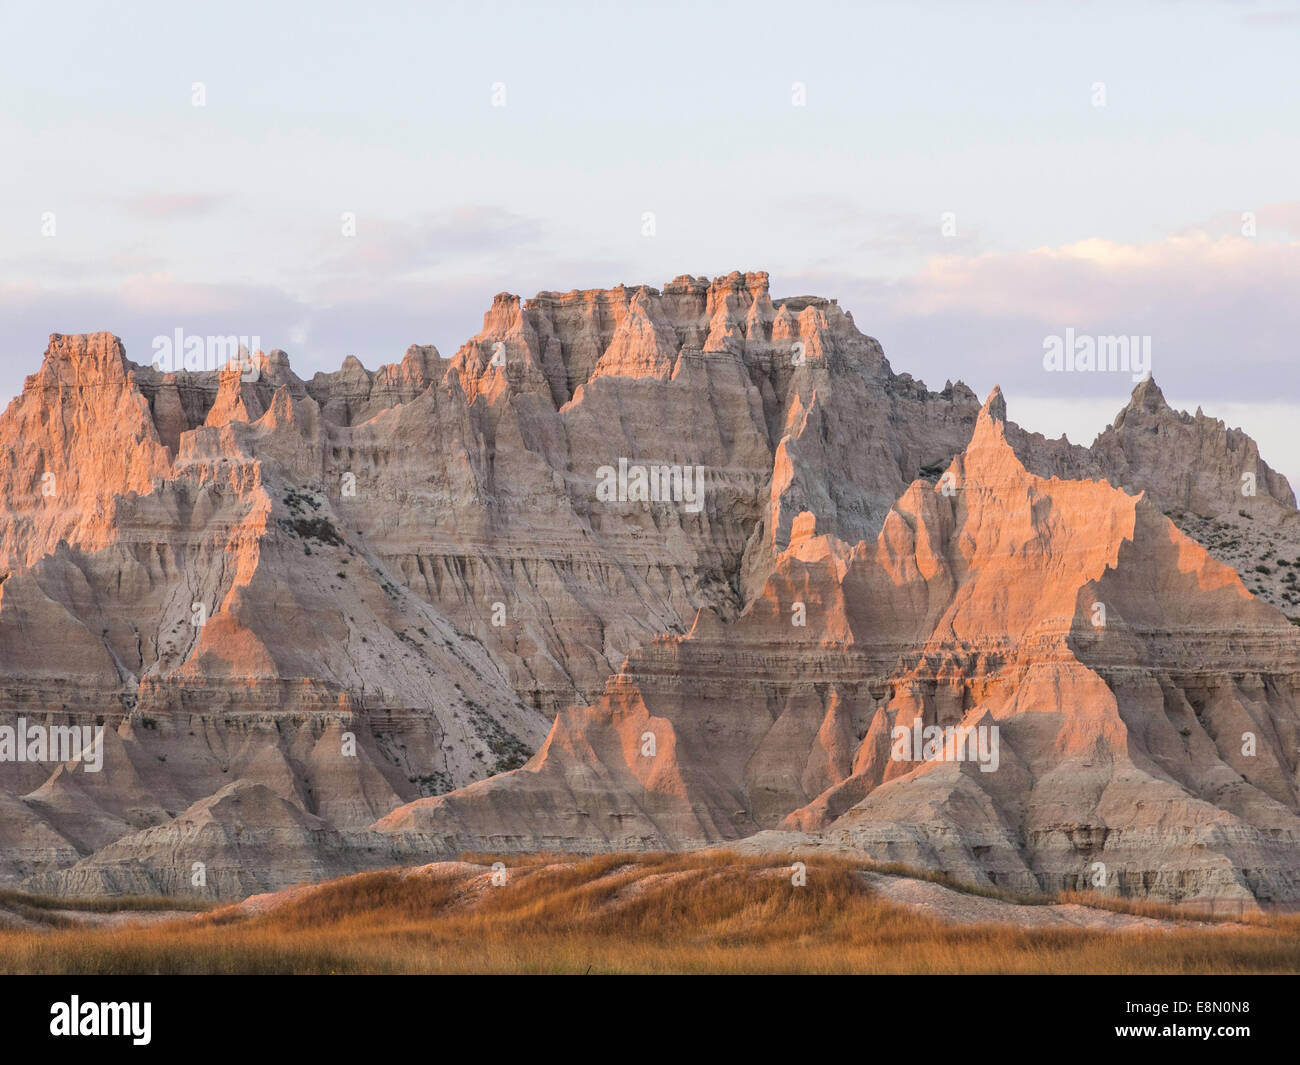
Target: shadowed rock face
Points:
(403, 575)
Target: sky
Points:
(967, 180)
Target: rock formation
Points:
(305, 610)
(1122, 669)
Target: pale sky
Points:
(1124, 218)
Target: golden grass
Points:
(656, 913)
(1161, 911)
(114, 904)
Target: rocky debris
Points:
(1265, 553)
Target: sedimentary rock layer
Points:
(298, 607)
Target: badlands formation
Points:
(391, 616)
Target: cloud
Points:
(397, 248)
(138, 310)
(1219, 308)
(169, 207)
(1220, 311)
(1267, 14)
(375, 317)
(882, 234)
(1272, 221)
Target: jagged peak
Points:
(74, 345)
(100, 351)
(989, 455)
(1147, 396)
(685, 283)
(1148, 399)
(422, 353)
(995, 406)
(754, 282)
(281, 410)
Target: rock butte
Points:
(349, 542)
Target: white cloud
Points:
(1221, 312)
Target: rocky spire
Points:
(996, 405)
(1147, 396)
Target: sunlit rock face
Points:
(1111, 673)
(307, 612)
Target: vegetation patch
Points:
(702, 912)
(508, 749)
(319, 529)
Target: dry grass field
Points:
(659, 913)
